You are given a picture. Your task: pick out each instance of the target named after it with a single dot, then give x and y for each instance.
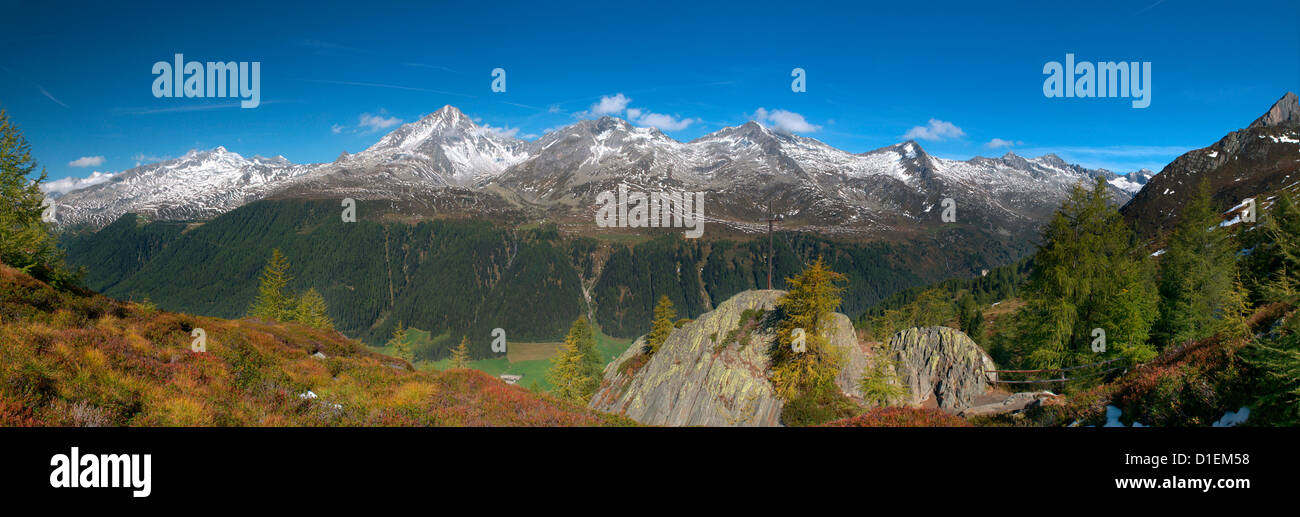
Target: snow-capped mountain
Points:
(199, 185)
(745, 169)
(594, 151)
(444, 158)
(1133, 181)
(442, 148)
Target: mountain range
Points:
(448, 163)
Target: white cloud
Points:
(69, 184)
(788, 121)
(614, 105)
(507, 131)
(87, 161)
(608, 105)
(935, 130)
(336, 129)
(1114, 157)
(371, 123)
(141, 159)
(658, 121)
(998, 143)
(554, 108)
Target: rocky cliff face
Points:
(943, 363)
(1246, 163)
(700, 377)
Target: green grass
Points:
(534, 371)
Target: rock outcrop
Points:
(943, 363)
(1014, 403)
(1285, 112)
(700, 378)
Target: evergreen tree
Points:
(274, 302)
(576, 370)
(931, 307)
(881, 385)
(970, 318)
(1236, 313)
(1196, 274)
(460, 355)
(592, 364)
(1089, 273)
(310, 310)
(662, 325)
(807, 307)
(1278, 361)
(400, 343)
(25, 241)
(1273, 263)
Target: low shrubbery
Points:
(902, 417)
(77, 359)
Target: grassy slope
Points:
(83, 359)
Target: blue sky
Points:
(336, 76)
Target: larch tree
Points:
(1197, 272)
(662, 324)
(1089, 273)
(274, 302)
(803, 361)
(400, 344)
(26, 241)
(576, 370)
(460, 355)
(310, 310)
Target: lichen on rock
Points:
(698, 379)
(943, 363)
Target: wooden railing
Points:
(1060, 371)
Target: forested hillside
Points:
(467, 277)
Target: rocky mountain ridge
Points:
(445, 160)
(1263, 157)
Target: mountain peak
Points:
(1285, 112)
(1053, 159)
(910, 149)
(449, 116)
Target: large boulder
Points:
(699, 378)
(942, 363)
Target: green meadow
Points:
(531, 360)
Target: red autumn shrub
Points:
(902, 417)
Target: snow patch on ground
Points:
(1112, 418)
(1233, 418)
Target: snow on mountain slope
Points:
(1262, 157)
(444, 147)
(199, 185)
(746, 169)
(1133, 181)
